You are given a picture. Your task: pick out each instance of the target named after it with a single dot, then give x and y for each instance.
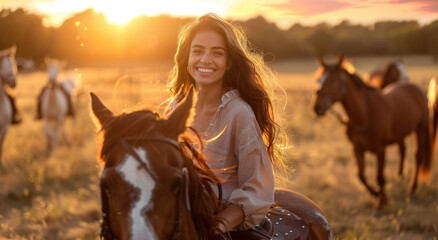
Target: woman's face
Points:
(208, 58)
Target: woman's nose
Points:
(206, 58)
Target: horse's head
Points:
(331, 81)
(8, 68)
(54, 67)
(149, 187)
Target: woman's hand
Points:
(229, 218)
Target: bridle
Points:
(183, 195)
(355, 127)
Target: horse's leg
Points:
(402, 149)
(65, 137)
(56, 133)
(359, 154)
(49, 135)
(382, 200)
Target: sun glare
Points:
(122, 14)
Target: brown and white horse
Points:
(54, 103)
(377, 119)
(154, 185)
(8, 72)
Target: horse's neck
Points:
(356, 102)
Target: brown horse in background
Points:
(154, 185)
(377, 119)
(394, 71)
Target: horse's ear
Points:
(340, 59)
(179, 118)
(321, 61)
(101, 112)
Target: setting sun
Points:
(116, 14)
(122, 12)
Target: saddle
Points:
(279, 224)
(286, 226)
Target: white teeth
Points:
(206, 70)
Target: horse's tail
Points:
(432, 92)
(426, 162)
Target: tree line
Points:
(88, 37)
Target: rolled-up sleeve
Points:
(255, 178)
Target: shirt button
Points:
(205, 135)
(211, 124)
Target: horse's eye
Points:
(175, 185)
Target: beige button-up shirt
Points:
(235, 151)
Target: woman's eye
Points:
(196, 51)
(219, 54)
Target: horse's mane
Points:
(201, 177)
(123, 125)
(357, 80)
(202, 195)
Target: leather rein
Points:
(183, 195)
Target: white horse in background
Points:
(55, 102)
(8, 72)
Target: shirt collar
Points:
(230, 95)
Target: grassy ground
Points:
(56, 196)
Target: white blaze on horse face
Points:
(403, 73)
(323, 77)
(140, 179)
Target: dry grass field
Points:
(56, 196)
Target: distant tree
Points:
(430, 34)
(25, 30)
(149, 38)
(86, 36)
(322, 40)
(266, 36)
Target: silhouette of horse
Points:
(377, 119)
(8, 72)
(394, 71)
(154, 185)
(432, 96)
(55, 103)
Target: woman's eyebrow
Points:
(201, 46)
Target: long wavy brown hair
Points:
(249, 74)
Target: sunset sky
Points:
(283, 12)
